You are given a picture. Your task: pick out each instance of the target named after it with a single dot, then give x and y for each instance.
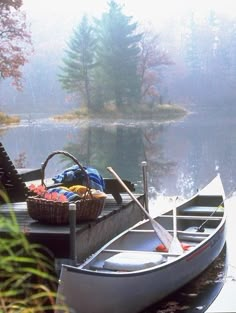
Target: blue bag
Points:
(74, 175)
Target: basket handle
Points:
(70, 156)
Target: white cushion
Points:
(132, 261)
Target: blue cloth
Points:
(74, 174)
(71, 196)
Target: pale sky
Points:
(60, 17)
(145, 9)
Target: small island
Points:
(160, 113)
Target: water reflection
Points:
(182, 156)
(99, 145)
(124, 148)
(108, 146)
(158, 164)
(198, 295)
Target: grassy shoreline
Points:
(7, 119)
(160, 113)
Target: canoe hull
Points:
(119, 294)
(92, 289)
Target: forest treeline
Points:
(193, 60)
(109, 62)
(113, 61)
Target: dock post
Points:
(145, 185)
(72, 221)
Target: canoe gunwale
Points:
(187, 255)
(159, 280)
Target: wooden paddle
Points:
(165, 237)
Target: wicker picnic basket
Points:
(57, 213)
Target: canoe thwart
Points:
(196, 217)
(202, 210)
(128, 275)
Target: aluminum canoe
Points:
(128, 275)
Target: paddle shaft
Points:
(129, 192)
(174, 222)
(161, 231)
(175, 244)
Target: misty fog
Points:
(203, 73)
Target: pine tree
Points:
(117, 56)
(193, 56)
(79, 63)
(106, 62)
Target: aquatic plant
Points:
(28, 281)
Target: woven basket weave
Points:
(57, 213)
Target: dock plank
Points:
(90, 235)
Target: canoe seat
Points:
(201, 210)
(126, 261)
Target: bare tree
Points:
(152, 59)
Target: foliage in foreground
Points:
(28, 282)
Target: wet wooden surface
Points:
(26, 222)
(113, 219)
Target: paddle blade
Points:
(176, 246)
(162, 234)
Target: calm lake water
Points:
(181, 156)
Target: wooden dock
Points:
(119, 213)
(90, 235)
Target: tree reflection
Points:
(154, 155)
(123, 148)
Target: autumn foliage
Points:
(15, 41)
(152, 59)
